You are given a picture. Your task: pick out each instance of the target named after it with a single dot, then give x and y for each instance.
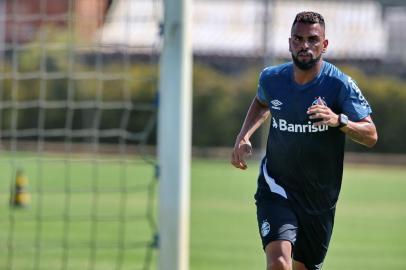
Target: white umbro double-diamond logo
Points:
(276, 104)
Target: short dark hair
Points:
(309, 17)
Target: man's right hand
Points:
(242, 149)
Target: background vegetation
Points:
(220, 97)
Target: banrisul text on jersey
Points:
(284, 125)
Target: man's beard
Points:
(305, 65)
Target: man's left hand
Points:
(325, 114)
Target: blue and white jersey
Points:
(303, 162)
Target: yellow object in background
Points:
(20, 197)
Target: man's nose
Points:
(305, 44)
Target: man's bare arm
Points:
(363, 132)
(256, 115)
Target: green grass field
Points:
(370, 228)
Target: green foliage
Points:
(73, 75)
(387, 97)
(220, 102)
(220, 99)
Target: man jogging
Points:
(313, 106)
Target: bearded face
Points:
(307, 44)
(305, 60)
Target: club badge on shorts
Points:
(265, 228)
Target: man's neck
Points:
(304, 76)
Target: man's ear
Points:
(290, 49)
(325, 45)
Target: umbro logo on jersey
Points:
(276, 104)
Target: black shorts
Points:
(309, 234)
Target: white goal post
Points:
(174, 136)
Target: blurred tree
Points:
(220, 99)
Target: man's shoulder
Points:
(276, 71)
(335, 74)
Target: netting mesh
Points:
(77, 183)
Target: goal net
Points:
(77, 111)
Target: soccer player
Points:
(312, 105)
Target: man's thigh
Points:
(298, 266)
(313, 239)
(276, 220)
